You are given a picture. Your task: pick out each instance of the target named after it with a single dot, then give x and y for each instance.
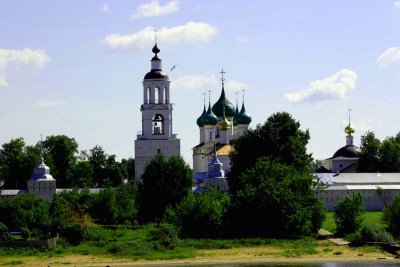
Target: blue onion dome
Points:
(209, 118)
(200, 119)
(235, 123)
(218, 107)
(243, 118)
(155, 49)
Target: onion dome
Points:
(200, 119)
(224, 124)
(156, 66)
(209, 118)
(349, 130)
(348, 151)
(235, 123)
(42, 172)
(243, 118)
(223, 103)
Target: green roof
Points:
(243, 118)
(218, 107)
(199, 119)
(235, 123)
(209, 118)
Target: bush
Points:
(74, 234)
(4, 235)
(391, 216)
(375, 233)
(201, 215)
(166, 237)
(347, 214)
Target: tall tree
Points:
(275, 200)
(279, 138)
(165, 182)
(369, 160)
(16, 163)
(62, 151)
(98, 160)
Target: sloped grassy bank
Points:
(151, 243)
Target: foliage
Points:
(347, 214)
(74, 233)
(377, 156)
(165, 183)
(115, 205)
(275, 200)
(375, 233)
(16, 163)
(369, 217)
(391, 216)
(26, 211)
(201, 215)
(62, 151)
(4, 236)
(279, 138)
(166, 237)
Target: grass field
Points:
(369, 218)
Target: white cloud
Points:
(195, 82)
(154, 9)
(397, 3)
(333, 87)
(105, 8)
(27, 57)
(390, 56)
(191, 32)
(49, 103)
(242, 39)
(236, 86)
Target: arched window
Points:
(148, 95)
(156, 96)
(158, 124)
(165, 95)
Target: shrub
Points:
(391, 216)
(347, 214)
(165, 237)
(375, 233)
(74, 234)
(4, 235)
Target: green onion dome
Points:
(209, 118)
(200, 119)
(235, 123)
(243, 118)
(218, 107)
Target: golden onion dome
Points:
(224, 124)
(349, 130)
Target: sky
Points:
(76, 67)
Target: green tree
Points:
(279, 138)
(16, 163)
(129, 166)
(165, 183)
(391, 216)
(368, 159)
(201, 215)
(389, 153)
(26, 211)
(275, 200)
(62, 151)
(348, 214)
(98, 160)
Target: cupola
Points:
(242, 117)
(209, 118)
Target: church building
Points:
(156, 135)
(219, 127)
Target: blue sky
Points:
(76, 67)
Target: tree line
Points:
(69, 166)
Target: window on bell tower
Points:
(158, 125)
(156, 95)
(148, 95)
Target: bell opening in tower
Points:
(158, 125)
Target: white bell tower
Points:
(156, 135)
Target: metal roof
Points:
(363, 187)
(12, 192)
(359, 178)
